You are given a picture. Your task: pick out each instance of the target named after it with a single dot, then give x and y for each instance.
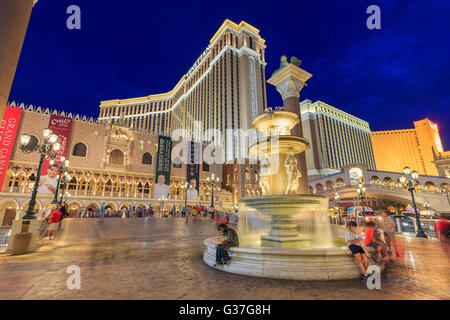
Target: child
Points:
(370, 240)
(352, 239)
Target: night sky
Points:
(389, 77)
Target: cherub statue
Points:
(293, 174)
(264, 181)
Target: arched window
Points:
(116, 157)
(79, 150)
(72, 184)
(147, 158)
(32, 144)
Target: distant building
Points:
(337, 139)
(415, 148)
(109, 164)
(442, 162)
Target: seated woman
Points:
(229, 239)
(352, 239)
(370, 240)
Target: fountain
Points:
(285, 232)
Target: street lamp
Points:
(163, 201)
(62, 168)
(361, 193)
(48, 149)
(336, 198)
(446, 190)
(236, 208)
(185, 187)
(65, 179)
(409, 182)
(427, 206)
(212, 181)
(67, 195)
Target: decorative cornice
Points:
(289, 81)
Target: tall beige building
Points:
(224, 89)
(415, 148)
(337, 138)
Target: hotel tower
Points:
(224, 89)
(337, 139)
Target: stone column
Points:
(289, 81)
(14, 18)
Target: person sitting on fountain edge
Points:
(352, 239)
(230, 240)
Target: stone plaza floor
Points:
(162, 259)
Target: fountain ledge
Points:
(335, 263)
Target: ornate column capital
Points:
(289, 80)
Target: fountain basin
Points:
(334, 263)
(282, 209)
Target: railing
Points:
(390, 189)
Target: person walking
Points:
(388, 226)
(102, 210)
(442, 229)
(54, 219)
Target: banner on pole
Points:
(193, 170)
(62, 126)
(8, 133)
(163, 165)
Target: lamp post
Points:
(163, 201)
(446, 189)
(65, 179)
(67, 195)
(361, 193)
(337, 197)
(48, 149)
(185, 187)
(62, 169)
(212, 181)
(427, 206)
(409, 182)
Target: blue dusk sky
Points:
(388, 77)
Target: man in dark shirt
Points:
(224, 245)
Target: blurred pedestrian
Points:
(388, 226)
(54, 219)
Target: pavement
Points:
(162, 259)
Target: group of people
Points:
(380, 237)
(126, 212)
(197, 212)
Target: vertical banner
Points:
(8, 132)
(163, 165)
(193, 170)
(62, 126)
